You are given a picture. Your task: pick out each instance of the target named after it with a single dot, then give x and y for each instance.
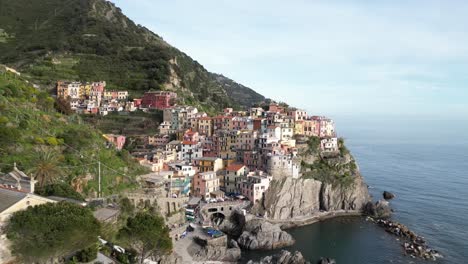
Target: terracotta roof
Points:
(204, 118)
(235, 167)
(189, 143)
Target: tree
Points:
(46, 166)
(47, 232)
(59, 189)
(63, 106)
(147, 234)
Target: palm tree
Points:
(46, 167)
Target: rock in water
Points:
(379, 210)
(327, 261)
(259, 234)
(388, 195)
(284, 257)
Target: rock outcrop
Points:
(327, 261)
(292, 198)
(352, 197)
(379, 210)
(388, 195)
(331, 183)
(217, 249)
(284, 257)
(259, 234)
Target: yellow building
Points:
(299, 128)
(205, 126)
(205, 164)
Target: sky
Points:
(394, 58)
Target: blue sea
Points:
(424, 163)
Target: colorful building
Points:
(158, 99)
(205, 183)
(233, 175)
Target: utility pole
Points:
(99, 179)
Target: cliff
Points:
(330, 183)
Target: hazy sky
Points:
(394, 57)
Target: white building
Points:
(329, 144)
(254, 186)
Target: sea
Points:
(424, 162)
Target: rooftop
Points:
(9, 197)
(235, 167)
(105, 214)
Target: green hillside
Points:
(89, 40)
(38, 138)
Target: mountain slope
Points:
(92, 40)
(31, 128)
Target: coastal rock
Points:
(380, 210)
(353, 197)
(260, 234)
(283, 257)
(388, 195)
(234, 225)
(289, 198)
(327, 261)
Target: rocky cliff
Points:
(259, 234)
(332, 182)
(283, 257)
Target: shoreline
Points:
(308, 220)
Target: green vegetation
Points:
(131, 124)
(59, 189)
(332, 168)
(92, 40)
(56, 147)
(48, 232)
(313, 144)
(147, 234)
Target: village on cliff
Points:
(203, 168)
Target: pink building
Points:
(117, 140)
(311, 127)
(251, 160)
(275, 108)
(137, 102)
(205, 183)
(158, 99)
(254, 186)
(240, 123)
(191, 136)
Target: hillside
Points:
(92, 40)
(39, 139)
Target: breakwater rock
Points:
(259, 234)
(413, 244)
(379, 210)
(284, 257)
